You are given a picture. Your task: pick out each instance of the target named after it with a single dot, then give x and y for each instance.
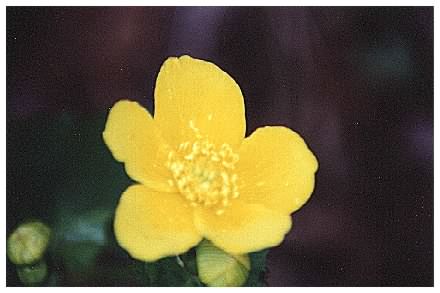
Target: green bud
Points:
(28, 243)
(217, 268)
(32, 275)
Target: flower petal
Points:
(192, 93)
(276, 169)
(243, 228)
(132, 138)
(152, 225)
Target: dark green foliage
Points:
(173, 272)
(258, 269)
(59, 170)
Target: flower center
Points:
(204, 174)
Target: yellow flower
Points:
(198, 176)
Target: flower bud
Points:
(34, 274)
(216, 268)
(28, 243)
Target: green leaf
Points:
(79, 258)
(166, 273)
(62, 172)
(78, 240)
(32, 275)
(173, 271)
(258, 269)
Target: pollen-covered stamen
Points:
(204, 173)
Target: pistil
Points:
(204, 173)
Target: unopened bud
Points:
(34, 274)
(28, 243)
(217, 268)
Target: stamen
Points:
(203, 173)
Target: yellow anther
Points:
(202, 173)
(225, 191)
(196, 148)
(195, 129)
(192, 126)
(189, 157)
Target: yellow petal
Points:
(243, 228)
(193, 96)
(132, 138)
(276, 169)
(151, 225)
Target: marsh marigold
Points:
(197, 175)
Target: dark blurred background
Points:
(356, 83)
